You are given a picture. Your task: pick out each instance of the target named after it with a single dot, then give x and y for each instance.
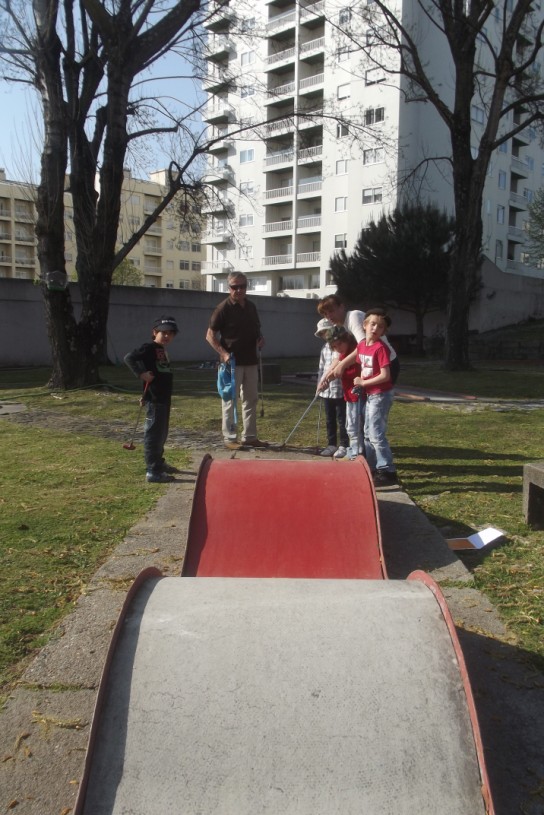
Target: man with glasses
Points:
(235, 330)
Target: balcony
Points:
(216, 266)
(23, 260)
(282, 22)
(220, 145)
(219, 113)
(219, 175)
(5, 212)
(308, 258)
(312, 13)
(312, 47)
(156, 270)
(21, 237)
(5, 236)
(152, 248)
(279, 92)
(278, 193)
(277, 159)
(278, 226)
(154, 230)
(218, 204)
(216, 236)
(280, 58)
(519, 168)
(23, 215)
(517, 201)
(217, 47)
(216, 78)
(278, 260)
(309, 222)
(281, 126)
(311, 83)
(309, 154)
(219, 16)
(516, 234)
(309, 187)
(5, 259)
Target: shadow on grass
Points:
(428, 453)
(508, 685)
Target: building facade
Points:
(310, 144)
(169, 255)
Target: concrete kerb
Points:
(45, 724)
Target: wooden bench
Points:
(533, 494)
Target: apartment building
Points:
(170, 254)
(310, 144)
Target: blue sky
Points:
(20, 131)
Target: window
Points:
(246, 252)
(184, 246)
(292, 282)
(344, 16)
(477, 114)
(528, 194)
(184, 265)
(374, 115)
(196, 247)
(372, 195)
(247, 24)
(502, 180)
(373, 155)
(170, 244)
(530, 162)
(341, 241)
(343, 91)
(196, 284)
(184, 284)
(247, 188)
(341, 166)
(169, 265)
(246, 220)
(247, 58)
(341, 204)
(503, 148)
(247, 155)
(342, 53)
(498, 250)
(374, 75)
(500, 214)
(196, 266)
(341, 130)
(247, 90)
(169, 284)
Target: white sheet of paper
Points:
(485, 536)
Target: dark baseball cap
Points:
(166, 324)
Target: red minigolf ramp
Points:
(284, 692)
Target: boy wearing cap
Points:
(151, 364)
(332, 395)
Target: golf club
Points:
(318, 427)
(262, 383)
(299, 421)
(129, 445)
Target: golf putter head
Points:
(129, 446)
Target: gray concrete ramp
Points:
(310, 697)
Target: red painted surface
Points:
(305, 519)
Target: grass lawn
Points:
(69, 497)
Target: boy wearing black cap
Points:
(150, 363)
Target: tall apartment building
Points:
(303, 183)
(169, 255)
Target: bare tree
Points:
(486, 54)
(83, 59)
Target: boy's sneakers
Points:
(385, 478)
(340, 453)
(232, 444)
(169, 468)
(329, 451)
(159, 478)
(351, 454)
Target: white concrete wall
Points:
(288, 324)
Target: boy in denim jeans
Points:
(375, 378)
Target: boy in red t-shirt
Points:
(375, 378)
